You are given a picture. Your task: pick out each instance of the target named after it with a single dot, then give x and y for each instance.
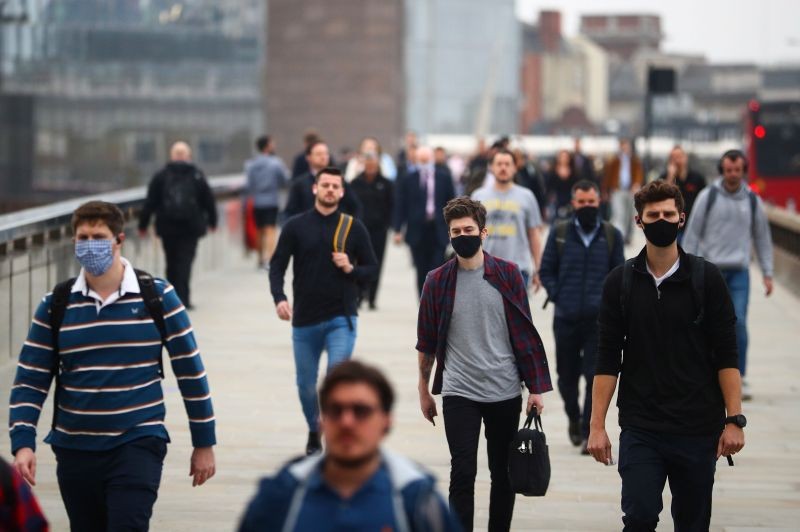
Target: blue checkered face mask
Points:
(96, 256)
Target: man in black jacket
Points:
(184, 206)
(376, 194)
(579, 253)
(669, 314)
(301, 197)
(325, 287)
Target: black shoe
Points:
(372, 305)
(575, 432)
(584, 448)
(314, 444)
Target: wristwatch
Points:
(739, 420)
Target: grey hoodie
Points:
(729, 230)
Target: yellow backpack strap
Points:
(342, 232)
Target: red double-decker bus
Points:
(772, 140)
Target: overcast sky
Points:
(725, 31)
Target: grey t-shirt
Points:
(479, 361)
(509, 215)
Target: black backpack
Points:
(179, 197)
(529, 459)
(697, 265)
(58, 307)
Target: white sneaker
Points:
(746, 395)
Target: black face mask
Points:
(466, 246)
(587, 217)
(661, 233)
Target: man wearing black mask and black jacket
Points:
(325, 287)
(671, 317)
(579, 253)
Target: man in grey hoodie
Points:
(726, 217)
(266, 175)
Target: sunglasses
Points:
(361, 411)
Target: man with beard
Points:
(464, 304)
(580, 252)
(332, 255)
(513, 220)
(354, 485)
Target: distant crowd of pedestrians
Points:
(666, 328)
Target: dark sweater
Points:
(689, 187)
(669, 371)
(574, 280)
(321, 290)
(377, 200)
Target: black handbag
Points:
(529, 459)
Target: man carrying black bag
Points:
(464, 304)
(529, 459)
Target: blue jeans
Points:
(738, 282)
(526, 278)
(334, 336)
(647, 460)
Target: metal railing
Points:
(36, 251)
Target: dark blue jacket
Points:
(280, 499)
(410, 199)
(574, 281)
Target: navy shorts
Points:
(265, 216)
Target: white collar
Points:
(669, 272)
(129, 281)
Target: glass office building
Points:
(462, 63)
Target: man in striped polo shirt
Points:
(108, 432)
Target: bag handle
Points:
(535, 418)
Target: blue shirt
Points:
(586, 237)
(369, 509)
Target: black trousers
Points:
(428, 253)
(377, 236)
(111, 490)
(647, 460)
(180, 252)
(462, 425)
(576, 354)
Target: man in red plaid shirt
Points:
(475, 322)
(19, 509)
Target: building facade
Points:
(336, 67)
(462, 66)
(114, 82)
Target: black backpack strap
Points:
(153, 304)
(625, 292)
(58, 308)
(611, 237)
(561, 236)
(712, 197)
(698, 267)
(753, 206)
